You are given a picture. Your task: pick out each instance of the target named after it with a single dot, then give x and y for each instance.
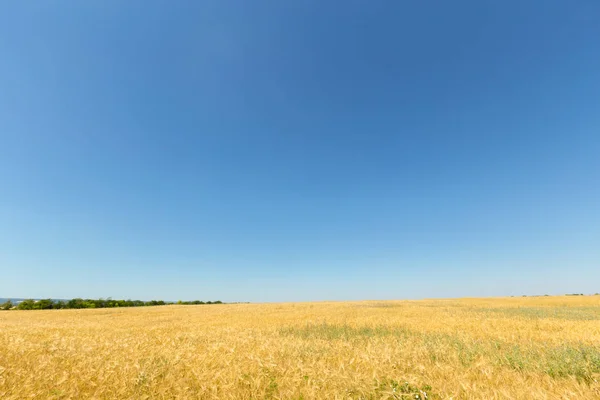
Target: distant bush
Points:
(197, 302)
(26, 305)
(78, 303)
(6, 306)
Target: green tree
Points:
(45, 304)
(6, 306)
(58, 305)
(27, 304)
(75, 303)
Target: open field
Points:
(521, 348)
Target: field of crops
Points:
(508, 348)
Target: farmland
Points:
(496, 348)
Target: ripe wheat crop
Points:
(505, 348)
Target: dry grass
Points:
(510, 348)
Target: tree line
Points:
(49, 304)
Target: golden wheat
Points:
(509, 348)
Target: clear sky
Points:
(299, 150)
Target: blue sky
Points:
(301, 150)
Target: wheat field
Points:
(502, 348)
